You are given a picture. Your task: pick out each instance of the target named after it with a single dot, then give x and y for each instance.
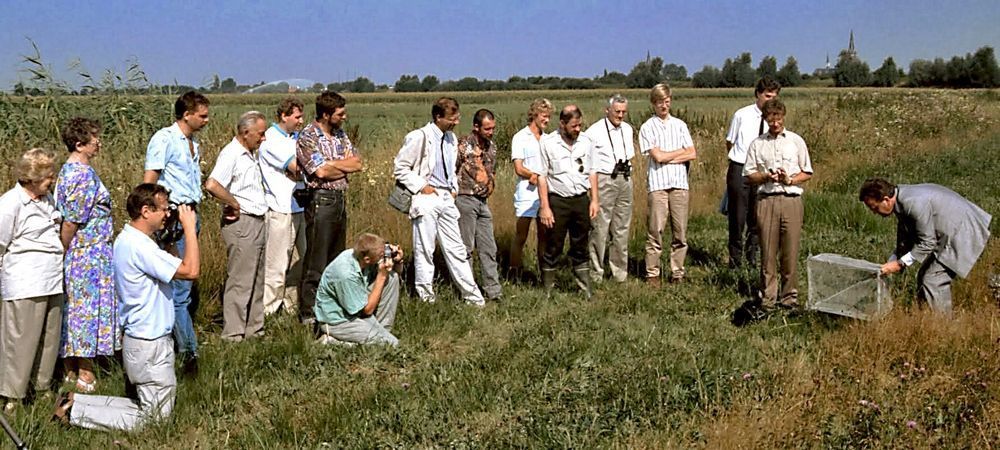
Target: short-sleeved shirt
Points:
(142, 281)
(668, 135)
(314, 148)
(525, 147)
(237, 170)
(82, 199)
(744, 128)
(343, 290)
(31, 264)
(786, 151)
(180, 171)
(476, 167)
(275, 154)
(610, 144)
(566, 169)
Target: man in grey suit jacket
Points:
(936, 227)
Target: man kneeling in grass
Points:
(143, 274)
(358, 293)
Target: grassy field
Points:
(634, 368)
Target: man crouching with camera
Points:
(358, 293)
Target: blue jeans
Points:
(185, 303)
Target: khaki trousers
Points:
(615, 197)
(779, 219)
(243, 298)
(286, 245)
(667, 205)
(29, 343)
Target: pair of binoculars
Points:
(623, 167)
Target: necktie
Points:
(760, 130)
(444, 167)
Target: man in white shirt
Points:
(666, 141)
(425, 165)
(525, 153)
(747, 124)
(567, 176)
(236, 182)
(613, 149)
(286, 237)
(777, 164)
(142, 276)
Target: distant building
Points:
(828, 70)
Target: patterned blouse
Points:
(82, 198)
(476, 167)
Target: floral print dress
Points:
(90, 318)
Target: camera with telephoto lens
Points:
(623, 167)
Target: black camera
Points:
(172, 230)
(389, 252)
(623, 167)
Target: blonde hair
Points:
(35, 165)
(659, 92)
(539, 106)
(369, 245)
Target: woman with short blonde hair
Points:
(31, 279)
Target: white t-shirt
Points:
(667, 135)
(142, 280)
(611, 144)
(275, 154)
(525, 147)
(744, 128)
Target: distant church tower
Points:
(851, 52)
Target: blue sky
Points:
(251, 41)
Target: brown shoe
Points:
(676, 279)
(653, 282)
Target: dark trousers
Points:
(572, 216)
(326, 237)
(742, 217)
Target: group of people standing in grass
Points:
(68, 292)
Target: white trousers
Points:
(435, 218)
(150, 366)
(286, 245)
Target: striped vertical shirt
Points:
(668, 135)
(237, 170)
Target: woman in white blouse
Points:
(31, 279)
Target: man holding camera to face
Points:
(358, 293)
(613, 150)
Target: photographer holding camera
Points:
(613, 150)
(357, 295)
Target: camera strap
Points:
(612, 142)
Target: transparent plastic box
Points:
(847, 287)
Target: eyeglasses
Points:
(579, 162)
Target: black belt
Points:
(571, 196)
(255, 216)
(328, 191)
(777, 194)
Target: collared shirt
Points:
(421, 155)
(445, 145)
(31, 264)
(476, 167)
(786, 151)
(610, 144)
(142, 281)
(275, 154)
(343, 290)
(668, 135)
(314, 148)
(745, 127)
(180, 172)
(527, 148)
(237, 170)
(566, 169)
(83, 199)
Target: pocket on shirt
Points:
(560, 167)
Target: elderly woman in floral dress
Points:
(90, 321)
(31, 279)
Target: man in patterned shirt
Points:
(326, 157)
(476, 163)
(666, 141)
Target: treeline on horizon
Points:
(974, 70)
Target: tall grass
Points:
(636, 367)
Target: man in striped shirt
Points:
(236, 182)
(666, 141)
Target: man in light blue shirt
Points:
(173, 161)
(357, 295)
(142, 275)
